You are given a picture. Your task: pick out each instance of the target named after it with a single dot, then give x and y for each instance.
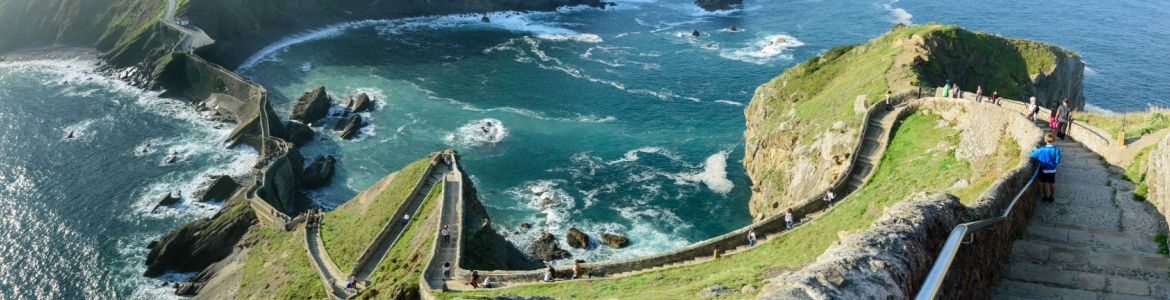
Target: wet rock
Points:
(351, 127)
(198, 244)
(168, 200)
(220, 188)
(312, 106)
(362, 103)
(319, 172)
(716, 5)
(545, 248)
(577, 239)
(615, 241)
(713, 291)
(485, 19)
(695, 33)
(299, 133)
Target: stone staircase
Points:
(379, 250)
(1093, 242)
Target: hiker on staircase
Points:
(1049, 158)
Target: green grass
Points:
(277, 267)
(402, 268)
(1136, 173)
(915, 162)
(1134, 124)
(347, 230)
(1160, 238)
(982, 59)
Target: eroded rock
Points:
(546, 248)
(312, 106)
(577, 239)
(319, 172)
(616, 241)
(351, 127)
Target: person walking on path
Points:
(889, 100)
(1063, 118)
(1049, 158)
(474, 282)
(1032, 108)
(994, 98)
(829, 197)
(446, 270)
(405, 219)
(751, 237)
(956, 92)
(788, 219)
(549, 273)
(947, 89)
(446, 233)
(979, 93)
(351, 284)
(576, 269)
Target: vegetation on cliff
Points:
(277, 267)
(802, 125)
(400, 271)
(348, 229)
(1134, 124)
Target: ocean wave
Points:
(714, 174)
(729, 102)
(544, 61)
(513, 110)
(478, 133)
(897, 15)
(764, 50)
(239, 162)
(632, 155)
(1089, 71)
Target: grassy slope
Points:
(347, 230)
(402, 267)
(914, 163)
(983, 59)
(278, 267)
(1136, 124)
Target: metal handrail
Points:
(938, 272)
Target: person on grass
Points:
(1049, 158)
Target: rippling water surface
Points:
(609, 121)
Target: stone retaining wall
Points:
(384, 234)
(1158, 176)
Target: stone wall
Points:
(1158, 176)
(892, 259)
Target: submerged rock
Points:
(312, 106)
(319, 172)
(715, 5)
(577, 239)
(615, 241)
(351, 127)
(362, 103)
(545, 248)
(220, 188)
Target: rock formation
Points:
(312, 106)
(299, 133)
(615, 241)
(715, 5)
(219, 187)
(577, 239)
(168, 200)
(200, 243)
(492, 250)
(546, 248)
(1158, 176)
(362, 103)
(319, 172)
(351, 127)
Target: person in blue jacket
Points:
(1049, 158)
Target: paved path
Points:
(1126, 155)
(326, 269)
(192, 38)
(447, 251)
(869, 154)
(1093, 242)
(379, 250)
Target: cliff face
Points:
(492, 250)
(198, 244)
(802, 126)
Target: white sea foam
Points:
(764, 50)
(531, 53)
(476, 133)
(729, 102)
(714, 174)
(519, 111)
(632, 155)
(897, 15)
(1089, 107)
(1089, 71)
(241, 159)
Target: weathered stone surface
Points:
(616, 241)
(218, 188)
(299, 133)
(577, 239)
(200, 243)
(1158, 176)
(168, 199)
(714, 291)
(545, 248)
(351, 127)
(312, 106)
(319, 172)
(362, 103)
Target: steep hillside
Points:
(802, 126)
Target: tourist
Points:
(994, 97)
(487, 283)
(1063, 118)
(576, 269)
(889, 100)
(751, 237)
(1052, 123)
(405, 219)
(1032, 108)
(947, 89)
(829, 197)
(474, 283)
(446, 233)
(446, 270)
(955, 92)
(549, 273)
(351, 284)
(1049, 158)
(979, 93)
(788, 219)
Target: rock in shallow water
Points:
(312, 106)
(615, 241)
(545, 248)
(577, 239)
(351, 127)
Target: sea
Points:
(613, 120)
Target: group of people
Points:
(313, 218)
(952, 90)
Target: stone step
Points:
(1090, 238)
(1129, 264)
(1011, 289)
(1076, 280)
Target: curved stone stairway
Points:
(1093, 242)
(379, 250)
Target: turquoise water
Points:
(610, 120)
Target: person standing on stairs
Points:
(889, 100)
(1063, 117)
(788, 219)
(1032, 108)
(751, 237)
(1049, 158)
(446, 270)
(405, 219)
(446, 233)
(829, 197)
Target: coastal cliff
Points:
(803, 125)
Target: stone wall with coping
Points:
(1158, 176)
